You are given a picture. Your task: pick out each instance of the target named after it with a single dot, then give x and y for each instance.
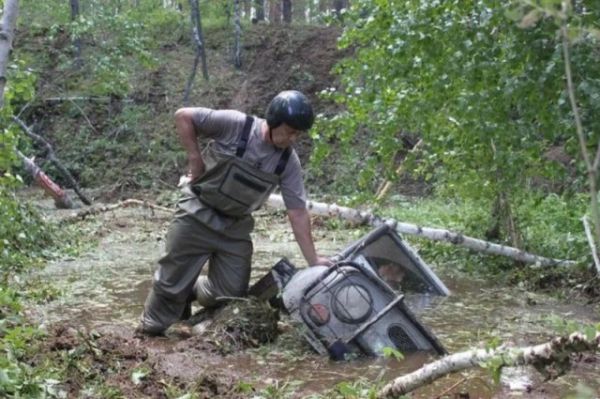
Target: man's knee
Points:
(208, 292)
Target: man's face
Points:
(284, 135)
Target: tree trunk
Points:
(542, 356)
(61, 199)
(247, 9)
(287, 11)
(338, 6)
(198, 39)
(78, 63)
(7, 32)
(299, 10)
(323, 6)
(356, 216)
(386, 185)
(275, 11)
(592, 162)
(237, 46)
(259, 6)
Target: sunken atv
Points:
(357, 305)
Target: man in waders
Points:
(246, 159)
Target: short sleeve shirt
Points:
(225, 128)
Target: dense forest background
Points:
(467, 101)
(482, 116)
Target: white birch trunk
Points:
(435, 234)
(237, 47)
(543, 354)
(7, 32)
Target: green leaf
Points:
(138, 375)
(392, 352)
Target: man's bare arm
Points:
(187, 136)
(300, 221)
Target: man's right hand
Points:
(196, 167)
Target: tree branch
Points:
(81, 215)
(55, 161)
(590, 238)
(540, 356)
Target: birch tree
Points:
(259, 7)
(77, 39)
(7, 33)
(286, 10)
(198, 39)
(237, 45)
(275, 11)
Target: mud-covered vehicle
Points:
(358, 305)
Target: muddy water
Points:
(107, 286)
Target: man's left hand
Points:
(322, 261)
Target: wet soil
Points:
(104, 289)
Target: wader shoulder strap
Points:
(283, 161)
(241, 148)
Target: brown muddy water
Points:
(104, 289)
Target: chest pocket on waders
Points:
(235, 187)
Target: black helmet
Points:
(292, 108)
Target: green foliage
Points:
(568, 327)
(115, 41)
(278, 390)
(357, 389)
(487, 96)
(389, 352)
(582, 392)
(19, 90)
(25, 236)
(494, 366)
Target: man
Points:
(246, 160)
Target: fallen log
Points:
(61, 199)
(55, 161)
(95, 210)
(541, 356)
(363, 217)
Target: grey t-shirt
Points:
(225, 128)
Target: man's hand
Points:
(323, 261)
(184, 124)
(196, 166)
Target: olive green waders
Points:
(190, 244)
(214, 225)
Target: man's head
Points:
(288, 114)
(292, 108)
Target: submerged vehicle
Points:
(358, 304)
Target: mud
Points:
(104, 290)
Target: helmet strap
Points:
(271, 134)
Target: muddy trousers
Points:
(190, 244)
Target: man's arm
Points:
(300, 221)
(187, 136)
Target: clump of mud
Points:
(238, 325)
(97, 364)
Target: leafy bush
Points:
(25, 235)
(487, 96)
